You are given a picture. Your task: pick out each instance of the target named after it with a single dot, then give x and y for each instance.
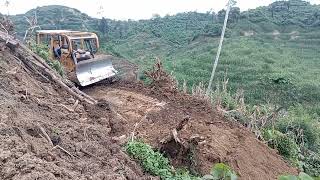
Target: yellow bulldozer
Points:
(78, 53)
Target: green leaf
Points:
(304, 176)
(288, 177)
(222, 171)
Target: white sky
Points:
(132, 9)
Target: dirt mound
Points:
(190, 132)
(162, 82)
(47, 132)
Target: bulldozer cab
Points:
(77, 52)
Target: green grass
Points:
(251, 63)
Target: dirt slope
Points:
(80, 145)
(206, 137)
(46, 134)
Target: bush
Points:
(311, 164)
(285, 144)
(303, 126)
(302, 176)
(153, 162)
(43, 52)
(221, 171)
(156, 164)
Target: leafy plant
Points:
(303, 126)
(43, 52)
(311, 163)
(151, 161)
(155, 163)
(286, 145)
(302, 176)
(221, 171)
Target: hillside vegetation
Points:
(270, 52)
(273, 49)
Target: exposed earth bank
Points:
(47, 133)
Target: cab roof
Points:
(69, 33)
(55, 31)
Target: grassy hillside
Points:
(271, 52)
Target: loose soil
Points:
(205, 137)
(46, 134)
(81, 144)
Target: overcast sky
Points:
(132, 9)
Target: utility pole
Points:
(230, 2)
(6, 4)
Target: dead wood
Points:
(62, 149)
(45, 135)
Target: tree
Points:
(272, 9)
(103, 26)
(234, 14)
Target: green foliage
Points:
(221, 171)
(151, 161)
(271, 68)
(40, 49)
(311, 163)
(43, 52)
(285, 144)
(155, 163)
(56, 65)
(302, 176)
(304, 126)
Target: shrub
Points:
(286, 145)
(305, 127)
(153, 162)
(221, 171)
(156, 164)
(302, 176)
(42, 51)
(311, 164)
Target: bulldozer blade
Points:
(94, 70)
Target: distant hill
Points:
(272, 52)
(54, 17)
(182, 27)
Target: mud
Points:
(81, 144)
(205, 136)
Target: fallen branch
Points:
(75, 105)
(2, 26)
(9, 40)
(175, 136)
(46, 136)
(62, 149)
(90, 154)
(30, 66)
(51, 104)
